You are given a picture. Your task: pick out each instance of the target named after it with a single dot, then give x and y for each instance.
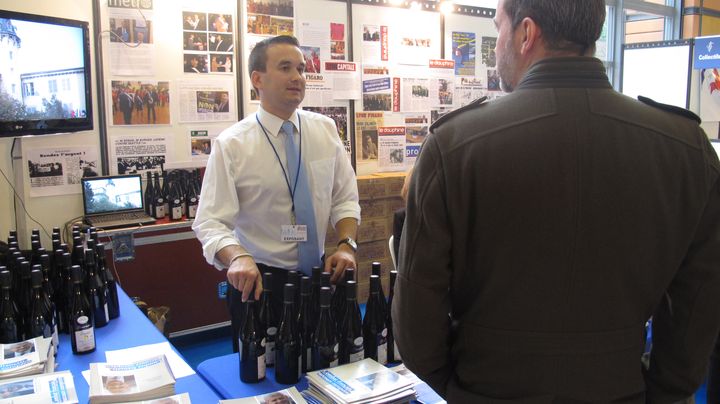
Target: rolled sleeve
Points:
(216, 216)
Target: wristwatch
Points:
(350, 242)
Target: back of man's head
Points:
(258, 56)
(567, 25)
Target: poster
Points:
(468, 89)
(208, 42)
(140, 102)
(270, 17)
(57, 171)
(203, 101)
(376, 88)
(200, 145)
(345, 80)
(338, 114)
(487, 51)
(463, 51)
(442, 82)
(710, 95)
(138, 154)
(391, 148)
(375, 43)
(132, 48)
(366, 134)
(417, 126)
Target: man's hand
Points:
(337, 263)
(244, 275)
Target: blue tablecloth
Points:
(131, 329)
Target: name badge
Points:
(294, 233)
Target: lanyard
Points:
(285, 175)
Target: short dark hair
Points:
(258, 56)
(567, 25)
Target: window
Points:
(14, 89)
(29, 89)
(66, 84)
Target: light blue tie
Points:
(308, 252)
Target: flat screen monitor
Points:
(44, 75)
(658, 70)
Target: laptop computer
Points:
(114, 201)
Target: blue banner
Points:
(707, 52)
(373, 85)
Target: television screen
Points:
(658, 70)
(44, 75)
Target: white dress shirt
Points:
(245, 198)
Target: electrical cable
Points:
(17, 198)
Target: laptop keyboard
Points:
(120, 217)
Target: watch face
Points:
(350, 242)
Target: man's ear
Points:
(256, 79)
(530, 35)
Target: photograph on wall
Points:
(138, 154)
(194, 21)
(140, 102)
(413, 46)
(366, 134)
(207, 101)
(467, 90)
(493, 80)
(487, 51)
(374, 43)
(312, 59)
(337, 41)
(391, 148)
(417, 125)
(340, 116)
(414, 94)
(132, 48)
(463, 51)
(710, 95)
(200, 147)
(270, 17)
(442, 82)
(208, 42)
(376, 88)
(57, 171)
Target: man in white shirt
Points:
(246, 220)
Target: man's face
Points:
(282, 84)
(193, 62)
(223, 97)
(505, 52)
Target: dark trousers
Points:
(713, 382)
(236, 306)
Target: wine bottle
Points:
(96, 291)
(294, 278)
(110, 284)
(376, 270)
(38, 323)
(315, 292)
(158, 203)
(166, 191)
(351, 339)
(252, 345)
(47, 296)
(82, 325)
(305, 323)
(149, 193)
(374, 329)
(325, 345)
(340, 295)
(268, 319)
(287, 345)
(176, 209)
(24, 297)
(192, 199)
(8, 310)
(61, 293)
(393, 354)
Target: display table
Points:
(131, 329)
(223, 374)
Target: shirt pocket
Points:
(323, 178)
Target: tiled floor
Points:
(195, 352)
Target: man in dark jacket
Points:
(544, 228)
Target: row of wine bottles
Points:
(46, 293)
(318, 329)
(178, 195)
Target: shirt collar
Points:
(273, 123)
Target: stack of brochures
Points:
(30, 357)
(291, 395)
(360, 382)
(58, 388)
(145, 379)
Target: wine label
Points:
(84, 335)
(159, 211)
(382, 353)
(192, 211)
(261, 366)
(270, 353)
(356, 357)
(176, 213)
(357, 351)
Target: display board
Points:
(658, 70)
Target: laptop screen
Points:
(102, 195)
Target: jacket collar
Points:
(571, 71)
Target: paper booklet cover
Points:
(141, 380)
(183, 398)
(360, 382)
(287, 396)
(26, 357)
(56, 388)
